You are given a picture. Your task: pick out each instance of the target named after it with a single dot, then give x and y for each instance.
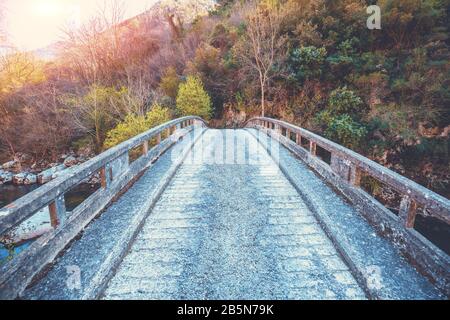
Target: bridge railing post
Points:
(118, 166)
(145, 148)
(158, 138)
(312, 147)
(57, 211)
(103, 178)
(408, 211)
(355, 176)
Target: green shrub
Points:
(343, 100)
(134, 125)
(99, 110)
(344, 130)
(170, 82)
(307, 62)
(192, 99)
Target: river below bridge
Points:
(9, 193)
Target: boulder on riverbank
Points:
(9, 165)
(5, 176)
(50, 174)
(30, 179)
(24, 178)
(70, 161)
(40, 172)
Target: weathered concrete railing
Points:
(116, 173)
(345, 170)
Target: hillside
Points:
(187, 10)
(383, 93)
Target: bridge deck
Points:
(214, 235)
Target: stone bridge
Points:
(270, 211)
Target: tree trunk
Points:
(98, 142)
(262, 105)
(263, 98)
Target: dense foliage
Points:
(384, 93)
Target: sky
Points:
(34, 24)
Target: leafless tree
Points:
(93, 50)
(263, 49)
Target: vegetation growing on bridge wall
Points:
(384, 93)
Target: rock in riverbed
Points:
(39, 172)
(50, 174)
(5, 176)
(9, 165)
(24, 178)
(70, 161)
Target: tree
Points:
(262, 49)
(307, 62)
(19, 69)
(343, 100)
(98, 111)
(95, 52)
(34, 121)
(192, 99)
(208, 64)
(341, 119)
(136, 124)
(169, 82)
(346, 131)
(406, 22)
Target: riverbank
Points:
(23, 170)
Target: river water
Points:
(10, 193)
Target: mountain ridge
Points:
(185, 9)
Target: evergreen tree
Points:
(192, 99)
